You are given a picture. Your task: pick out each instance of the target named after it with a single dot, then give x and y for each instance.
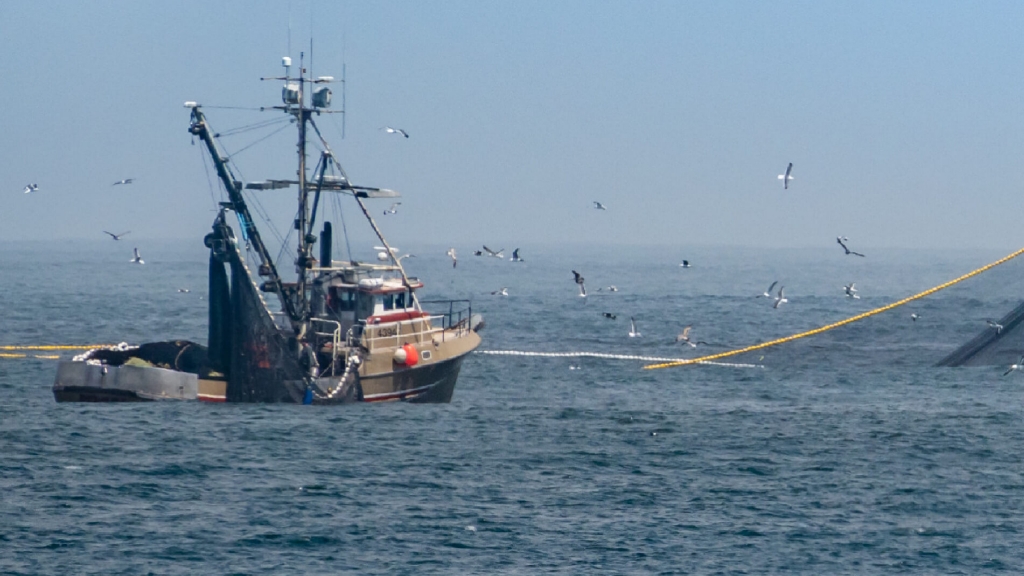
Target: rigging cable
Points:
(237, 152)
(250, 127)
(209, 182)
(835, 325)
(341, 215)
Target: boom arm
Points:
(200, 128)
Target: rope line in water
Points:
(42, 356)
(605, 356)
(834, 325)
(58, 347)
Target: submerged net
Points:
(993, 346)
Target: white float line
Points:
(607, 356)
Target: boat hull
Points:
(84, 382)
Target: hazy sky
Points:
(903, 119)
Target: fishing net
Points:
(994, 346)
(258, 360)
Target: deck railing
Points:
(453, 323)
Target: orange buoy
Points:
(411, 355)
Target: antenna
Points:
(342, 100)
(289, 28)
(344, 46)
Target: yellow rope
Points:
(828, 327)
(57, 347)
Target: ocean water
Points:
(844, 453)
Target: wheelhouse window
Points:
(400, 300)
(389, 301)
(341, 300)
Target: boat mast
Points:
(302, 261)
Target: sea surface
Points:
(845, 453)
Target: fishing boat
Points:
(342, 331)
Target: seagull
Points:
(125, 181)
(768, 292)
(851, 291)
(502, 292)
(611, 288)
(787, 176)
(599, 206)
(495, 253)
(781, 298)
(684, 336)
(117, 236)
(400, 258)
(31, 188)
(997, 326)
(137, 259)
(685, 264)
(574, 366)
(632, 328)
(914, 317)
(391, 130)
(393, 209)
(451, 254)
(610, 316)
(579, 280)
(1017, 366)
(478, 253)
(515, 256)
(183, 290)
(840, 240)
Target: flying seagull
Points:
(137, 259)
(849, 252)
(125, 181)
(31, 188)
(183, 290)
(632, 328)
(787, 176)
(478, 253)
(451, 254)
(851, 291)
(599, 206)
(914, 317)
(502, 292)
(495, 253)
(684, 336)
(393, 209)
(515, 256)
(768, 292)
(610, 316)
(117, 236)
(685, 264)
(391, 130)
(997, 326)
(1017, 366)
(579, 280)
(781, 298)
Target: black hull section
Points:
(88, 394)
